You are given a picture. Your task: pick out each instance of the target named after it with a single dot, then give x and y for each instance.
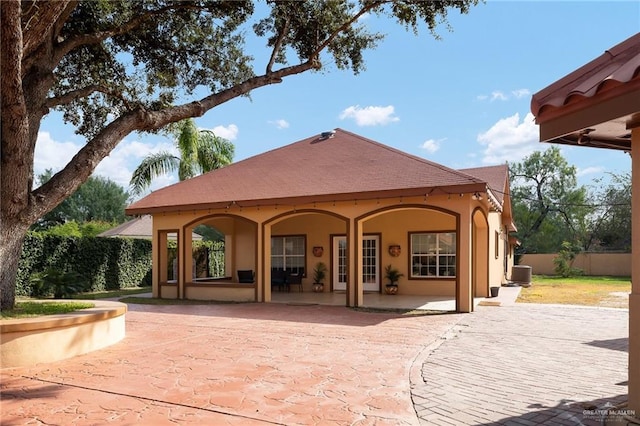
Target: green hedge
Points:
(104, 263)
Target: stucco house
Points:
(347, 201)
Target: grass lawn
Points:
(609, 292)
(155, 301)
(35, 309)
(112, 293)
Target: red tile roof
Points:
(616, 66)
(345, 166)
(595, 105)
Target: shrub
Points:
(564, 260)
(61, 284)
(100, 263)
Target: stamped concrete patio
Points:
(312, 364)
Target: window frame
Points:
(437, 265)
(284, 254)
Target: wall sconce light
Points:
(394, 250)
(317, 251)
(476, 196)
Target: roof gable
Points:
(340, 167)
(496, 177)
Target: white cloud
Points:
(123, 160)
(520, 93)
(510, 140)
(371, 115)
(229, 132)
(280, 124)
(497, 95)
(117, 166)
(594, 170)
(432, 145)
(51, 154)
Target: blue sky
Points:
(462, 101)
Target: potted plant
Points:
(319, 273)
(392, 276)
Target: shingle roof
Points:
(495, 176)
(140, 227)
(345, 166)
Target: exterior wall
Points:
(318, 229)
(394, 228)
(499, 248)
(249, 229)
(49, 338)
(244, 253)
(235, 293)
(613, 264)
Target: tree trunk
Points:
(12, 236)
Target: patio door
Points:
(370, 271)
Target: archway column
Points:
(261, 285)
(263, 274)
(465, 250)
(634, 297)
(355, 296)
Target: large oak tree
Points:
(114, 67)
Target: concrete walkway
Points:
(254, 364)
(526, 365)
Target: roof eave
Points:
(620, 101)
(322, 198)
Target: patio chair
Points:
(279, 278)
(245, 276)
(295, 280)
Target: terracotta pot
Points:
(391, 289)
(318, 287)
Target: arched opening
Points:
(297, 243)
(421, 243)
(480, 254)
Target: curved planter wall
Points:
(29, 341)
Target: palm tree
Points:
(200, 151)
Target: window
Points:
(433, 255)
(288, 253)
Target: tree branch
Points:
(39, 18)
(85, 39)
(346, 25)
(277, 45)
(66, 181)
(83, 92)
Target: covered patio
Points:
(340, 200)
(506, 296)
(598, 106)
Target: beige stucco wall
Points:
(613, 264)
(29, 341)
(500, 238)
(235, 294)
(391, 218)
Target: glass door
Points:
(339, 263)
(370, 271)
